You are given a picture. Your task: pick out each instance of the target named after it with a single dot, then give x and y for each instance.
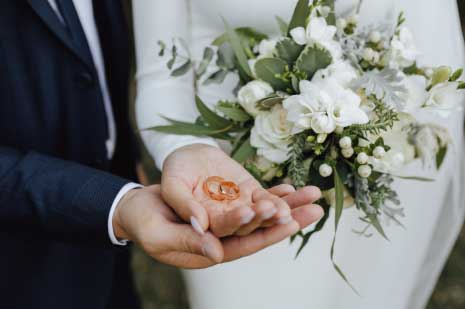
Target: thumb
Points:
(179, 196)
(183, 240)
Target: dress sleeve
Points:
(159, 94)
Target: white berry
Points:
(368, 54)
(379, 152)
(353, 19)
(325, 170)
(347, 152)
(321, 138)
(345, 142)
(341, 23)
(375, 37)
(364, 171)
(362, 158)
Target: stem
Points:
(359, 6)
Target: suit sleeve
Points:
(45, 197)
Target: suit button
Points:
(84, 80)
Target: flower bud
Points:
(325, 170)
(352, 19)
(341, 23)
(375, 37)
(347, 152)
(362, 158)
(364, 171)
(345, 142)
(379, 152)
(321, 138)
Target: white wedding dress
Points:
(396, 274)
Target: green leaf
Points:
(288, 50)
(238, 49)
(339, 187)
(207, 58)
(216, 77)
(183, 69)
(162, 45)
(245, 33)
(226, 58)
(456, 75)
(211, 118)
(461, 86)
(319, 226)
(440, 156)
(244, 152)
(282, 24)
(267, 69)
(312, 59)
(331, 19)
(373, 219)
(234, 113)
(184, 128)
(301, 13)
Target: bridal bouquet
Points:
(328, 103)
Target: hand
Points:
(186, 169)
(143, 217)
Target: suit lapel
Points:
(51, 20)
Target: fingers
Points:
(181, 238)
(306, 215)
(264, 210)
(303, 196)
(283, 214)
(236, 247)
(281, 190)
(179, 196)
(227, 223)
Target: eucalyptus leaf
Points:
(211, 118)
(245, 33)
(183, 69)
(288, 50)
(301, 13)
(162, 45)
(312, 59)
(238, 49)
(373, 219)
(244, 152)
(207, 58)
(226, 58)
(267, 69)
(319, 226)
(216, 77)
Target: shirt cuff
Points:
(125, 189)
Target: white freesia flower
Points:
(323, 106)
(416, 95)
(444, 99)
(318, 32)
(251, 93)
(270, 134)
(342, 71)
(266, 48)
(403, 51)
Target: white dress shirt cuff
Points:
(125, 189)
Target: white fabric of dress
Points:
(400, 273)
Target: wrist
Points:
(118, 216)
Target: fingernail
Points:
(269, 214)
(196, 225)
(208, 251)
(285, 220)
(247, 218)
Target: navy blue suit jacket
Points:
(56, 183)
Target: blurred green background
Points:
(162, 287)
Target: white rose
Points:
(403, 51)
(318, 32)
(253, 92)
(270, 135)
(323, 106)
(444, 99)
